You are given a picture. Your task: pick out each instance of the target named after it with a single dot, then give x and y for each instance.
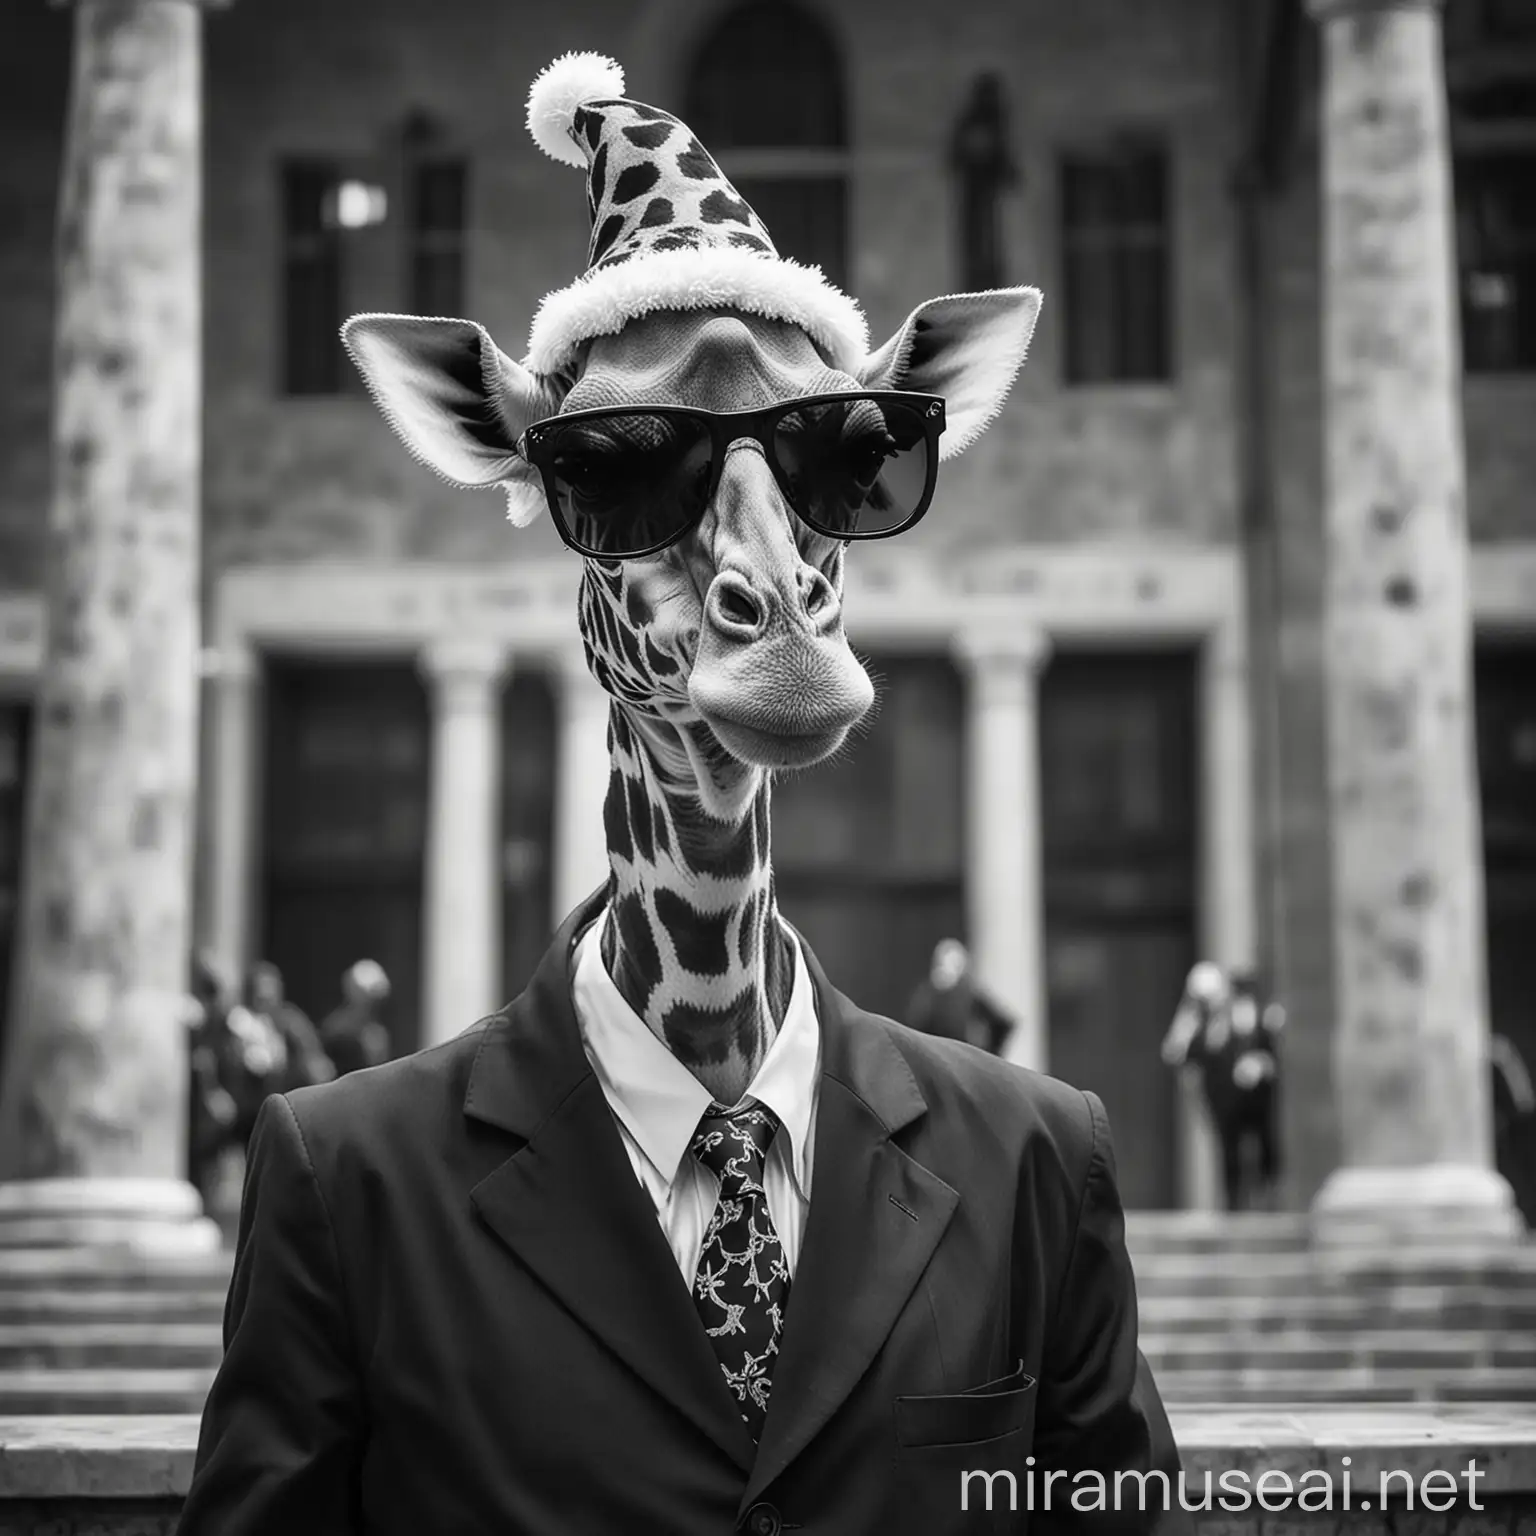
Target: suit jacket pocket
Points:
(987, 1412)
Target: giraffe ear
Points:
(968, 348)
(456, 401)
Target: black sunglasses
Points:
(623, 482)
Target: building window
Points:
(313, 359)
(1490, 48)
(1476, 23)
(766, 97)
(439, 195)
(1115, 252)
(1496, 218)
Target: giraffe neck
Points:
(691, 933)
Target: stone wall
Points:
(300, 479)
(295, 479)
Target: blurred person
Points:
(1513, 1096)
(353, 1035)
(1235, 1048)
(952, 1004)
(299, 1059)
(211, 1109)
(1205, 989)
(1514, 1120)
(251, 1057)
(1255, 1120)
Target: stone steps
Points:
(1433, 1308)
(111, 1268)
(32, 1392)
(1401, 1308)
(1204, 1232)
(110, 1346)
(125, 1391)
(69, 1308)
(1407, 1350)
(1279, 1385)
(176, 1346)
(1288, 1275)
(1157, 1232)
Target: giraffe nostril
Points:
(739, 607)
(819, 598)
(734, 608)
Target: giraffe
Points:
(723, 654)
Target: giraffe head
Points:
(732, 634)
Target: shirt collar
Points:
(658, 1100)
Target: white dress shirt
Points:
(657, 1104)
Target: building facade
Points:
(1100, 748)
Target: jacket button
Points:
(763, 1520)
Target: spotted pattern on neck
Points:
(691, 934)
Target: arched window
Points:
(765, 96)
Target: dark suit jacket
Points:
(453, 1309)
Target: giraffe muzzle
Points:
(774, 676)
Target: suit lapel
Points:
(875, 1218)
(569, 1206)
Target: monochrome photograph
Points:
(767, 766)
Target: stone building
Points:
(1101, 750)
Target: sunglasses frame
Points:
(727, 428)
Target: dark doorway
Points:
(528, 749)
(1506, 756)
(1119, 797)
(15, 741)
(869, 850)
(347, 755)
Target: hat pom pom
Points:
(556, 93)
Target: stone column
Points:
(581, 768)
(231, 867)
(93, 1123)
(1005, 909)
(1228, 859)
(463, 878)
(1411, 1032)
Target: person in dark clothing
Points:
(1221, 1030)
(288, 1054)
(1514, 1119)
(211, 1110)
(1513, 1096)
(353, 1035)
(952, 1004)
(1205, 990)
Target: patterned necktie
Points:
(742, 1281)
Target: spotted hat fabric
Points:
(669, 231)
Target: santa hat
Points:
(669, 231)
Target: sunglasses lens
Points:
(626, 483)
(854, 468)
